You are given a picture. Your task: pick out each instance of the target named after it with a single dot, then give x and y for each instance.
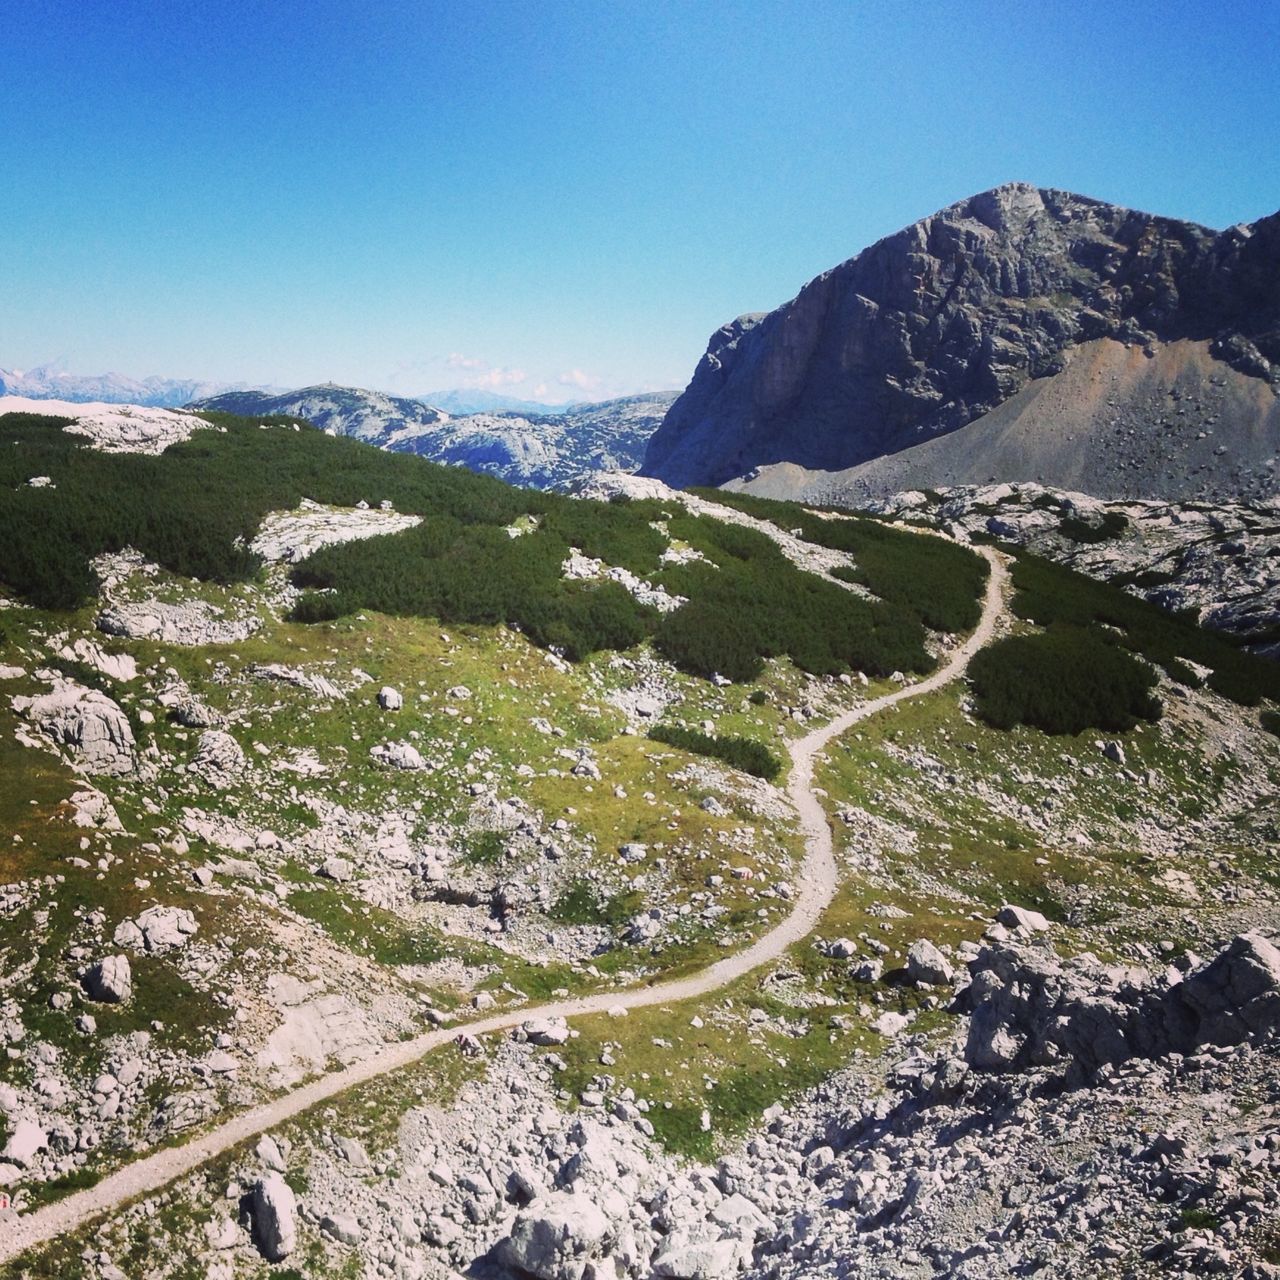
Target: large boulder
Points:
(1236, 994)
(274, 1210)
(927, 965)
(157, 929)
(546, 1031)
(219, 759)
(110, 980)
(700, 1254)
(555, 1237)
(1031, 1009)
(397, 755)
(87, 723)
(25, 1142)
(1022, 918)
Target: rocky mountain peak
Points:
(936, 325)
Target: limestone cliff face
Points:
(938, 324)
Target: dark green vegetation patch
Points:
(1064, 680)
(196, 508)
(934, 578)
(1048, 594)
(742, 753)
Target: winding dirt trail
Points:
(817, 880)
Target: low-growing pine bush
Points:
(742, 753)
(1064, 680)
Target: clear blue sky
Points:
(414, 196)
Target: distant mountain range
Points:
(464, 400)
(1023, 334)
(555, 450)
(520, 441)
(50, 383)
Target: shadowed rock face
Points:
(938, 324)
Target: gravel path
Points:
(818, 881)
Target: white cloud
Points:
(576, 378)
(475, 373)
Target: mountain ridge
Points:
(47, 382)
(554, 450)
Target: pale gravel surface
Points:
(818, 881)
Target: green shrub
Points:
(1113, 524)
(1270, 721)
(321, 606)
(749, 603)
(1182, 673)
(1064, 680)
(1047, 593)
(742, 753)
(580, 905)
(484, 849)
(935, 578)
(196, 508)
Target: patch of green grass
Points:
(484, 849)
(579, 904)
(368, 930)
(1196, 1218)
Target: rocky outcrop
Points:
(219, 759)
(87, 723)
(1030, 1009)
(941, 323)
(291, 536)
(1216, 561)
(192, 622)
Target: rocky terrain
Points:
(552, 450)
(1219, 561)
(1061, 339)
(1033, 1029)
(1118, 422)
(113, 428)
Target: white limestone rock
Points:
(26, 1140)
(274, 1217)
(398, 755)
(87, 723)
(219, 759)
(110, 981)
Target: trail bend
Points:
(817, 881)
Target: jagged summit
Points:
(940, 323)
